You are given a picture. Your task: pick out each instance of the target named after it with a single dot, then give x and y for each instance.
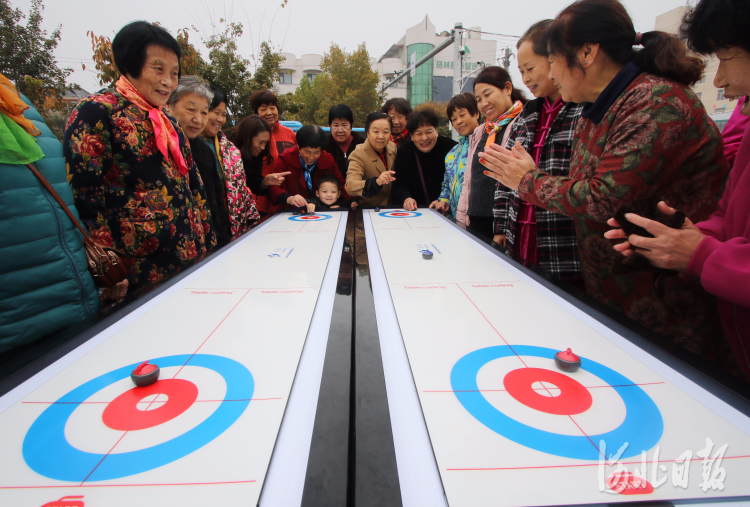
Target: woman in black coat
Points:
(420, 163)
(342, 140)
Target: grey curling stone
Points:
(426, 254)
(145, 379)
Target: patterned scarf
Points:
(307, 170)
(399, 138)
(167, 140)
(492, 127)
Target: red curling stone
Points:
(567, 361)
(145, 374)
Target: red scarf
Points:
(167, 140)
(399, 138)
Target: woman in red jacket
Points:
(305, 163)
(717, 250)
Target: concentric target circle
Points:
(641, 430)
(48, 452)
(318, 217)
(399, 213)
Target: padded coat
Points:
(45, 285)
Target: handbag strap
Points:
(57, 197)
(421, 176)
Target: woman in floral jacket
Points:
(240, 202)
(643, 136)
(135, 185)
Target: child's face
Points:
(328, 193)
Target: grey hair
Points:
(191, 84)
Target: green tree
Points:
(26, 56)
(346, 78)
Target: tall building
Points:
(431, 81)
(712, 97)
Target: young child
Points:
(327, 195)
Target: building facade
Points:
(431, 81)
(712, 97)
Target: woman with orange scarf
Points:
(500, 104)
(135, 184)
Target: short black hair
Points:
(341, 111)
(263, 98)
(378, 115)
(465, 100)
(401, 106)
(423, 118)
(717, 24)
(311, 136)
(132, 41)
(326, 178)
(219, 97)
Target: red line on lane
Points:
(107, 402)
(490, 323)
(212, 332)
(576, 466)
(105, 457)
(407, 223)
(537, 389)
(128, 485)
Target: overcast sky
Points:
(303, 26)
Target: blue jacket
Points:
(45, 285)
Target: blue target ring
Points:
(399, 213)
(302, 218)
(47, 451)
(642, 428)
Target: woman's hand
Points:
(116, 292)
(499, 239)
(507, 166)
(668, 249)
(410, 204)
(296, 200)
(440, 206)
(275, 179)
(385, 178)
(310, 207)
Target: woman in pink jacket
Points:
(718, 250)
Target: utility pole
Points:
(506, 59)
(458, 64)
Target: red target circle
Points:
(309, 218)
(574, 398)
(123, 413)
(400, 214)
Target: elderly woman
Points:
(239, 201)
(342, 141)
(398, 110)
(266, 105)
(717, 251)
(132, 173)
(464, 116)
(189, 105)
(643, 136)
(371, 173)
(421, 162)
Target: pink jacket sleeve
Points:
(734, 131)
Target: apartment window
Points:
(285, 77)
(310, 76)
(720, 95)
(703, 80)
